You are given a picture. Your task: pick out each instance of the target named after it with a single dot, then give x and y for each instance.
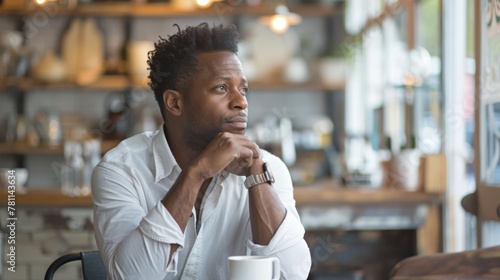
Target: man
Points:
(176, 203)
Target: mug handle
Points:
(276, 269)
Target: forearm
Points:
(129, 238)
(266, 209)
(179, 201)
(266, 213)
(135, 247)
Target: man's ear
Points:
(172, 100)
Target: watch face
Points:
(268, 170)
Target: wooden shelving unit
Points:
(24, 149)
(19, 89)
(105, 82)
(166, 10)
(131, 10)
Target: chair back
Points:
(92, 265)
(481, 263)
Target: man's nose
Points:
(239, 100)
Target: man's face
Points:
(216, 101)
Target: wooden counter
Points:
(330, 192)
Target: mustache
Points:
(238, 115)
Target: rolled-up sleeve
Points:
(289, 247)
(125, 229)
(288, 243)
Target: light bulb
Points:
(203, 3)
(279, 23)
(40, 2)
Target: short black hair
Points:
(173, 60)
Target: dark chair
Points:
(477, 264)
(92, 265)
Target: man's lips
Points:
(240, 122)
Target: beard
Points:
(200, 134)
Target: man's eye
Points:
(244, 90)
(221, 88)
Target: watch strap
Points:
(254, 180)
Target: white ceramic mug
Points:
(254, 268)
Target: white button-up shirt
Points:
(134, 230)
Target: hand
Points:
(234, 153)
(255, 167)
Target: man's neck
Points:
(182, 153)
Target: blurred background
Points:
(370, 103)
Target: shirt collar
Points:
(163, 158)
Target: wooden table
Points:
(329, 194)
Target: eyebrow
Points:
(226, 78)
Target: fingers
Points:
(244, 151)
(242, 145)
(231, 152)
(238, 151)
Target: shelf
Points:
(23, 149)
(316, 86)
(167, 10)
(47, 197)
(105, 82)
(330, 192)
(325, 192)
(122, 82)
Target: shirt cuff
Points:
(289, 233)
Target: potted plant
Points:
(334, 63)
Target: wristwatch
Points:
(266, 177)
